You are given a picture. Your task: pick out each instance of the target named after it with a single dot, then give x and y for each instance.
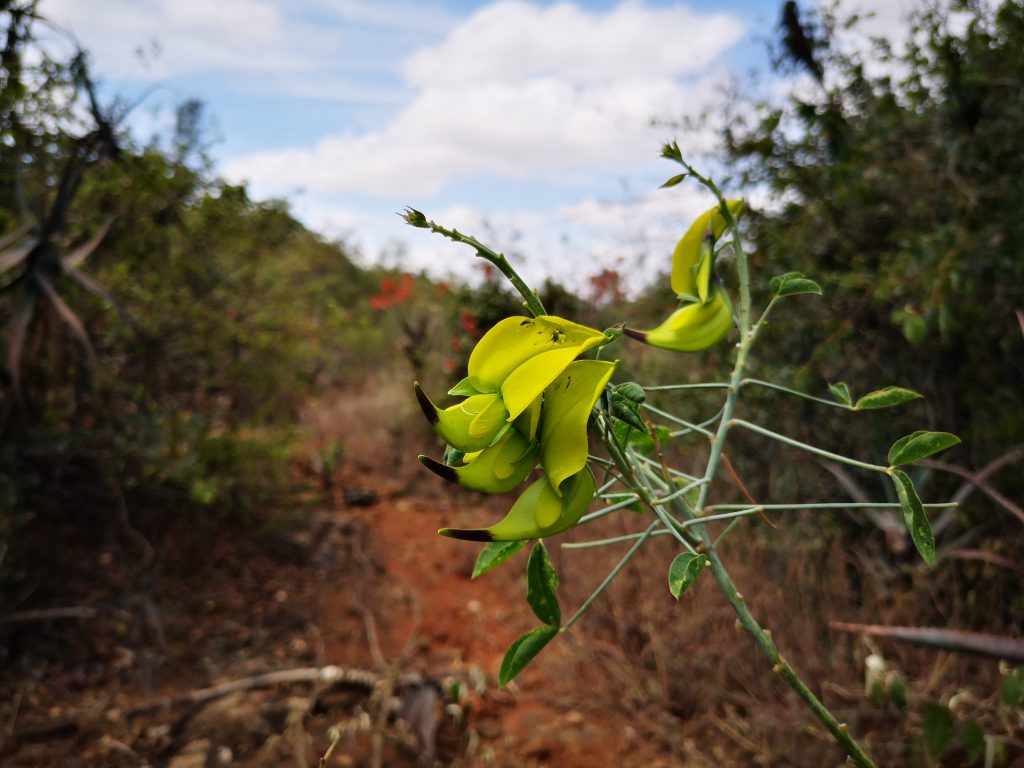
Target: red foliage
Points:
(394, 293)
(606, 286)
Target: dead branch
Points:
(986, 557)
(72, 725)
(977, 479)
(994, 646)
(76, 612)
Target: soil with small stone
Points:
(351, 635)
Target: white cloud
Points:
(288, 45)
(561, 90)
(514, 41)
(539, 129)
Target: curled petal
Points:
(496, 469)
(567, 406)
(514, 340)
(468, 426)
(538, 512)
(690, 275)
(692, 327)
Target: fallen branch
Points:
(331, 674)
(994, 646)
(76, 612)
(328, 674)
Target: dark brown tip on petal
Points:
(439, 469)
(467, 534)
(425, 405)
(638, 335)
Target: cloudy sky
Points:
(534, 125)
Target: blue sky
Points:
(526, 123)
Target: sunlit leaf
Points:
(523, 651)
(494, 554)
(914, 516)
(464, 387)
(674, 180)
(841, 393)
(920, 445)
(885, 398)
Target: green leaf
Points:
(898, 691)
(629, 390)
(885, 398)
(464, 387)
(920, 445)
(494, 554)
(914, 516)
(1013, 689)
(523, 651)
(684, 571)
(541, 584)
(629, 412)
(841, 393)
(972, 736)
(674, 180)
(776, 282)
(793, 285)
(938, 729)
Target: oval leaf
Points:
(914, 516)
(674, 180)
(494, 554)
(885, 398)
(684, 571)
(541, 584)
(920, 445)
(841, 393)
(523, 651)
(938, 728)
(793, 286)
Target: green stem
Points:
(533, 302)
(761, 636)
(608, 510)
(681, 422)
(826, 505)
(673, 387)
(611, 575)
(796, 392)
(808, 448)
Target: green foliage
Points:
(494, 554)
(523, 651)
(683, 571)
(164, 328)
(903, 191)
(920, 445)
(914, 516)
(938, 729)
(541, 585)
(885, 398)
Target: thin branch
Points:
(977, 643)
